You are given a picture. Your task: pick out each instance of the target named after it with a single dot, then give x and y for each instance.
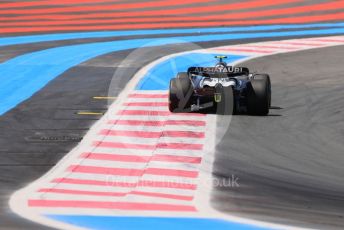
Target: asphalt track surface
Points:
(289, 168)
(289, 164)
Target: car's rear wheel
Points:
(259, 96)
(226, 105)
(183, 75)
(265, 77)
(180, 92)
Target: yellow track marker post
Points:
(104, 98)
(89, 113)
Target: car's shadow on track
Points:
(213, 111)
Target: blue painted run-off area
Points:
(24, 75)
(149, 223)
(158, 77)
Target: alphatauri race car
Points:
(227, 89)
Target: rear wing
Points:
(223, 70)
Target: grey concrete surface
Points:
(289, 164)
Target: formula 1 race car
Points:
(228, 89)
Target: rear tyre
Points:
(265, 77)
(180, 92)
(259, 96)
(226, 105)
(183, 75)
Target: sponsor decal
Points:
(220, 69)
